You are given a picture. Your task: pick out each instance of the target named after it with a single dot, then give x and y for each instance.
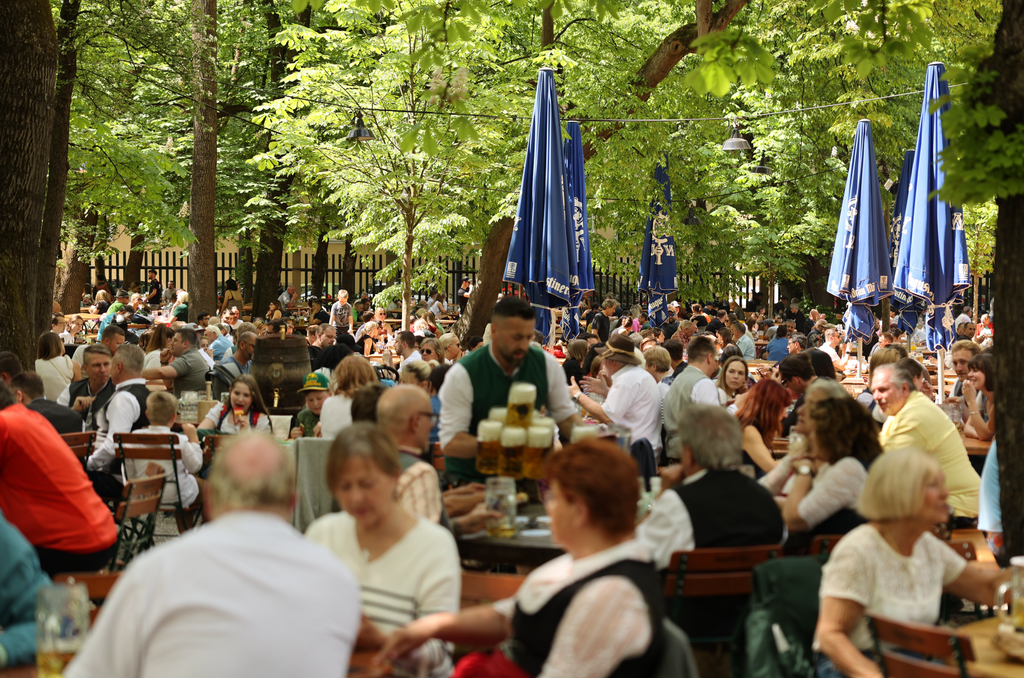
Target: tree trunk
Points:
(488, 282)
(348, 270)
(977, 281)
(99, 266)
(296, 277)
(244, 272)
(74, 275)
(133, 267)
(57, 181)
(407, 272)
(547, 27)
(1006, 90)
(320, 266)
(202, 254)
(28, 74)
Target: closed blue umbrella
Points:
(538, 256)
(658, 275)
(906, 307)
(932, 262)
(860, 273)
(582, 279)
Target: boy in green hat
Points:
(307, 422)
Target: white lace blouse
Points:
(864, 568)
(833, 488)
(606, 622)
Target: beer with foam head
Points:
(488, 435)
(521, 399)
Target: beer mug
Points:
(513, 444)
(62, 622)
(500, 496)
(1016, 588)
(521, 398)
(584, 431)
(498, 414)
(488, 435)
(538, 440)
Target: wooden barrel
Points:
(281, 365)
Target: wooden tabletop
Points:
(518, 550)
(991, 661)
(975, 446)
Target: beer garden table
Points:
(530, 551)
(990, 662)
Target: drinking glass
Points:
(62, 622)
(500, 496)
(1016, 588)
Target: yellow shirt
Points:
(922, 425)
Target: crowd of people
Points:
(384, 573)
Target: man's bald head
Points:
(251, 473)
(399, 411)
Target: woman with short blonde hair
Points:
(893, 566)
(348, 375)
(416, 373)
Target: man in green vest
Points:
(482, 379)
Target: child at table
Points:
(244, 412)
(307, 422)
(162, 411)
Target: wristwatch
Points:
(804, 470)
(576, 398)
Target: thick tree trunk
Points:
(74, 275)
(202, 254)
(547, 27)
(319, 266)
(28, 74)
(1006, 64)
(133, 267)
(268, 266)
(407, 272)
(57, 181)
(488, 282)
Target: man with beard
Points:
(482, 380)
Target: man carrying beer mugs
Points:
(482, 380)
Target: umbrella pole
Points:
(941, 390)
(860, 354)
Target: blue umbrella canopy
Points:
(860, 273)
(906, 307)
(658, 276)
(538, 256)
(581, 269)
(932, 262)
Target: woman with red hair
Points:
(760, 416)
(597, 611)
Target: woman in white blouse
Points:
(596, 610)
(56, 369)
(828, 475)
(244, 411)
(349, 374)
(893, 566)
(407, 566)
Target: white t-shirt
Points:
(830, 352)
(243, 596)
(229, 426)
(416, 577)
(190, 461)
(634, 401)
(864, 568)
(335, 415)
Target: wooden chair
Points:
(80, 443)
(161, 447)
(922, 640)
(135, 516)
(712, 572)
(824, 543)
(98, 584)
(966, 548)
(479, 588)
(211, 445)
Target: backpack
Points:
(774, 634)
(221, 377)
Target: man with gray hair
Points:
(123, 413)
(915, 422)
(709, 503)
(246, 595)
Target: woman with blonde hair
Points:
(430, 349)
(180, 312)
(417, 373)
(451, 347)
(368, 339)
(56, 369)
(894, 565)
(348, 375)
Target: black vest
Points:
(80, 388)
(726, 509)
(140, 393)
(532, 635)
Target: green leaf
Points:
(429, 145)
(299, 6)
(833, 10)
